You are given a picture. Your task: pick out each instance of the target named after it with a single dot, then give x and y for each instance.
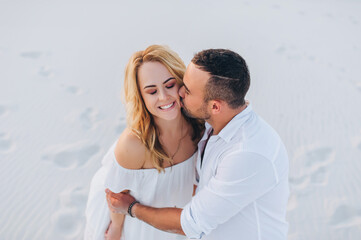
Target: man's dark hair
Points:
(229, 79)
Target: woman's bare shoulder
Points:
(130, 152)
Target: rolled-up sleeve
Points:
(240, 179)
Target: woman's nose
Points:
(162, 95)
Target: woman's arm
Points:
(114, 231)
(130, 153)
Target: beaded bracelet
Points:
(130, 207)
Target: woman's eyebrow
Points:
(168, 80)
(163, 83)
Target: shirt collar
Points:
(207, 131)
(232, 126)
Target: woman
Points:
(154, 156)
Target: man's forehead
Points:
(192, 68)
(195, 75)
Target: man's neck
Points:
(220, 121)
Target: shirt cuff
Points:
(188, 223)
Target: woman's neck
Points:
(171, 128)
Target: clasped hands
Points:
(119, 202)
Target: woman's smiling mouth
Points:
(168, 106)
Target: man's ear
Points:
(216, 106)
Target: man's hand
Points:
(119, 202)
(165, 219)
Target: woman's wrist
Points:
(115, 225)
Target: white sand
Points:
(61, 70)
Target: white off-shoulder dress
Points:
(172, 188)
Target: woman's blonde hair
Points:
(139, 120)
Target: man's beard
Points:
(200, 113)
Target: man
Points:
(242, 164)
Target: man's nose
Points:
(181, 92)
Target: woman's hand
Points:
(119, 202)
(113, 232)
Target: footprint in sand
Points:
(320, 176)
(281, 49)
(353, 20)
(74, 90)
(315, 167)
(356, 142)
(317, 161)
(45, 71)
(358, 86)
(318, 157)
(346, 216)
(68, 220)
(329, 15)
(66, 223)
(299, 182)
(302, 13)
(289, 51)
(6, 145)
(311, 58)
(276, 6)
(32, 54)
(88, 118)
(74, 197)
(3, 111)
(72, 156)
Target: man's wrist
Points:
(131, 210)
(134, 209)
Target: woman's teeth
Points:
(166, 106)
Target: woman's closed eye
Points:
(170, 85)
(154, 91)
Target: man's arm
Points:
(165, 219)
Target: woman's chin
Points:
(169, 115)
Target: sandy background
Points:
(61, 74)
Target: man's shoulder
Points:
(255, 137)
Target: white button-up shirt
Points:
(242, 188)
